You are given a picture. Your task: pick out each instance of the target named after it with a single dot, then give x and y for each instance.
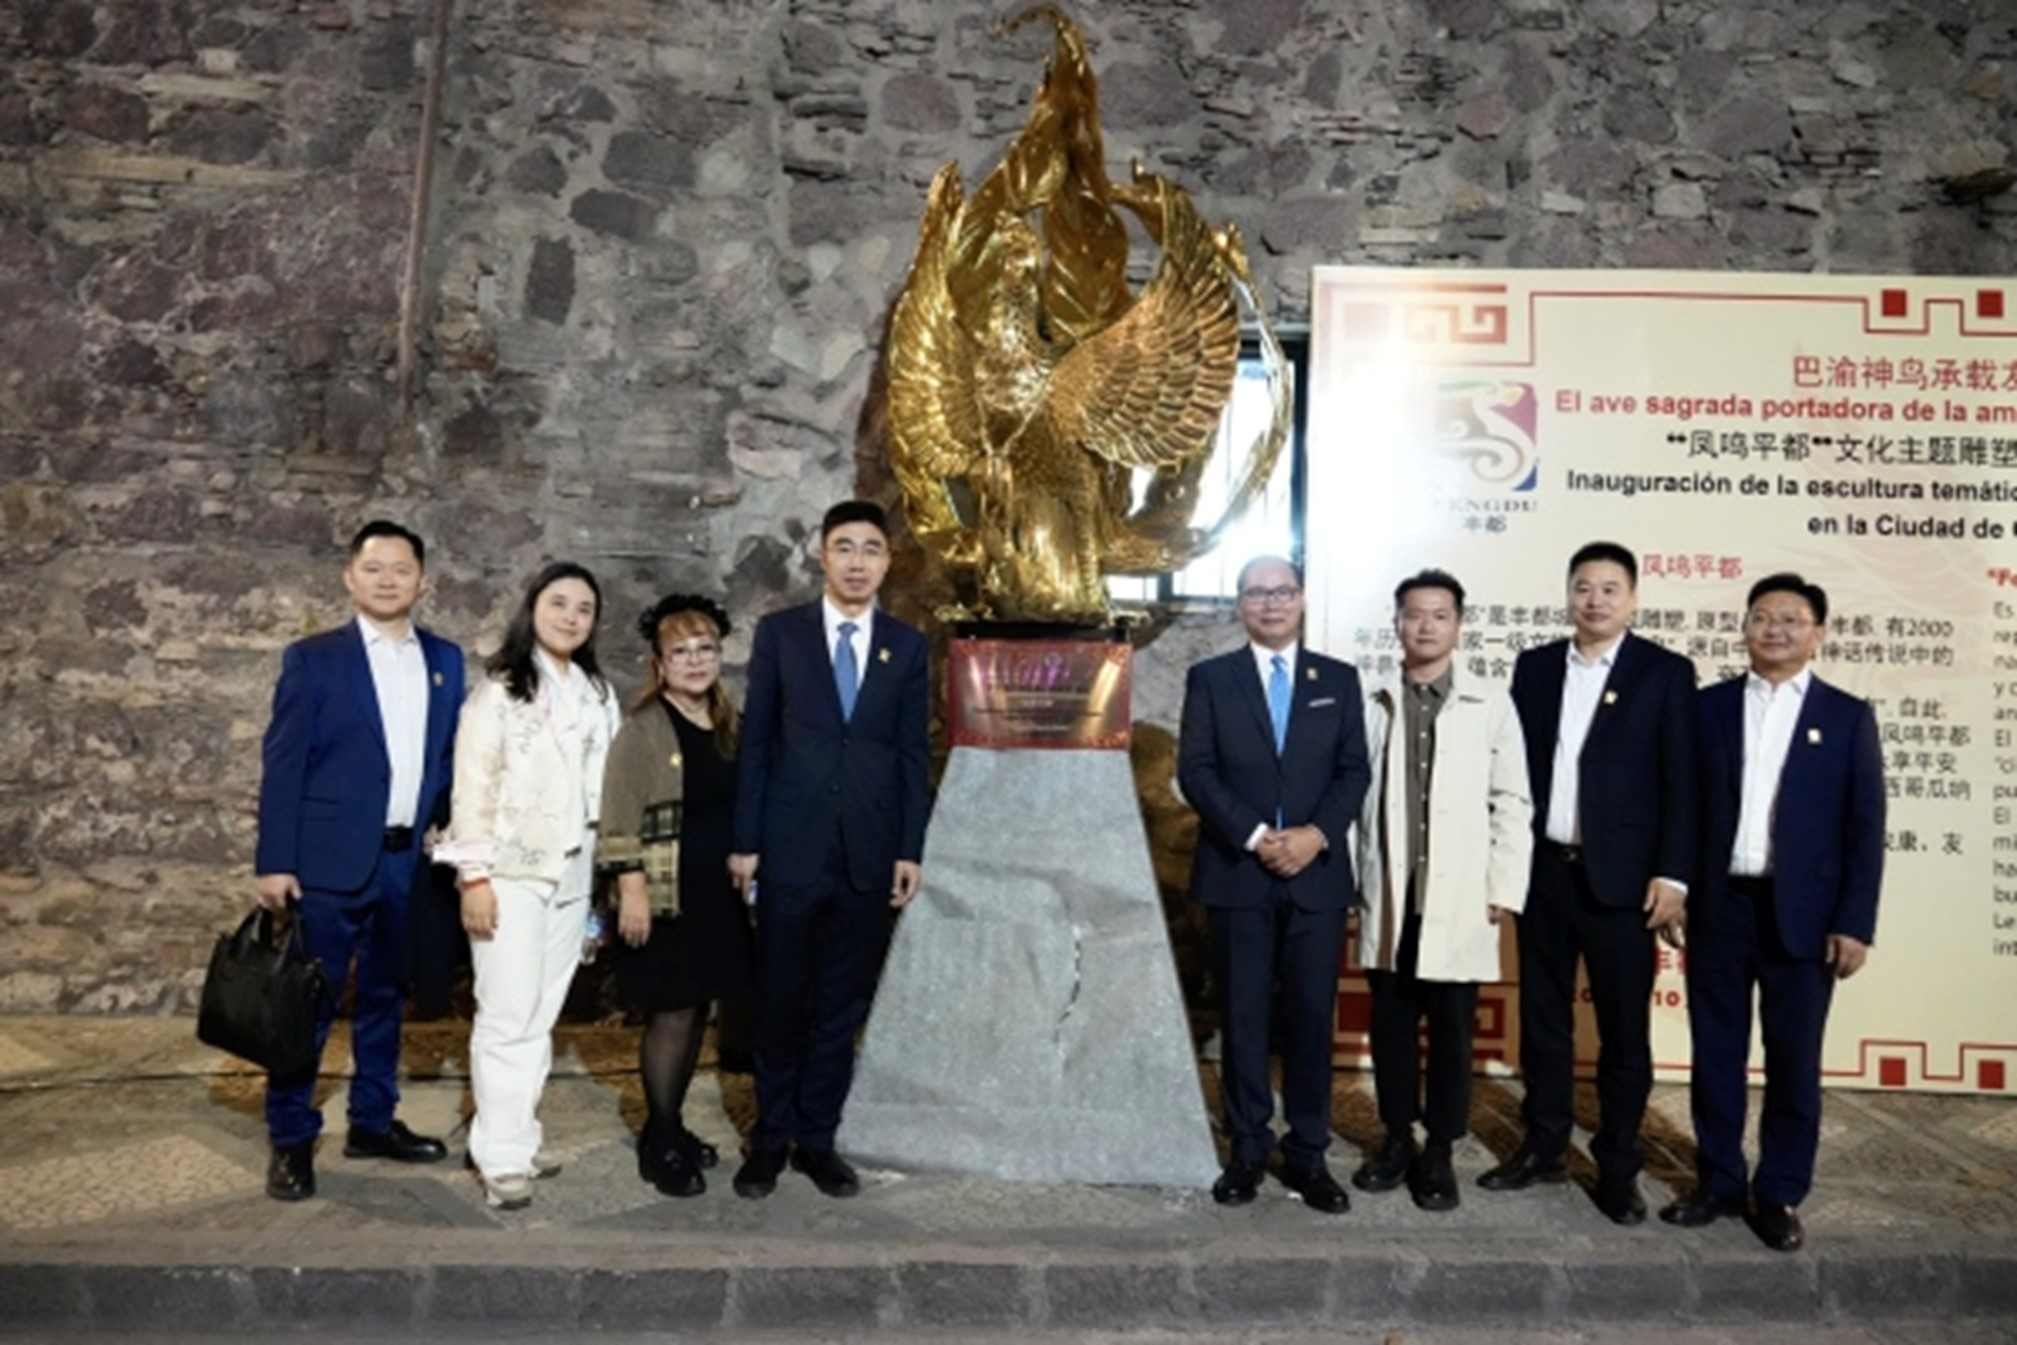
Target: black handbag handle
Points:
(256, 932)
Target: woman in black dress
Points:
(683, 935)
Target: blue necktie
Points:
(846, 671)
(1278, 701)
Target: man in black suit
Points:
(832, 791)
(1791, 775)
(1273, 757)
(1609, 721)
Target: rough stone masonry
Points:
(662, 242)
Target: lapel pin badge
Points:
(1309, 674)
(1610, 698)
(1814, 737)
(674, 761)
(437, 679)
(882, 656)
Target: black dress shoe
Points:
(1432, 1181)
(1620, 1200)
(1389, 1167)
(1319, 1190)
(1777, 1226)
(1701, 1209)
(1238, 1184)
(668, 1169)
(290, 1174)
(1525, 1168)
(395, 1142)
(702, 1154)
(828, 1170)
(757, 1177)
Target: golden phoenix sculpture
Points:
(1029, 384)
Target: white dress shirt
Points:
(1264, 664)
(864, 635)
(399, 676)
(1582, 688)
(1770, 714)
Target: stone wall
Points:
(664, 238)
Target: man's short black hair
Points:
(385, 527)
(1430, 578)
(1610, 551)
(1786, 581)
(855, 511)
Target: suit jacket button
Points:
(833, 789)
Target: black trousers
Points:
(1402, 1002)
(1564, 923)
(1256, 949)
(819, 951)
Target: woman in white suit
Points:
(529, 756)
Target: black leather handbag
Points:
(261, 996)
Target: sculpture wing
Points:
(935, 422)
(1148, 391)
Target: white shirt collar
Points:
(834, 617)
(374, 635)
(1797, 683)
(1264, 657)
(553, 675)
(1603, 658)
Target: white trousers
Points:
(522, 975)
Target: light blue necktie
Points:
(847, 671)
(1278, 701)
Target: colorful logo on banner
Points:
(1488, 426)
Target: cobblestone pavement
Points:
(131, 1199)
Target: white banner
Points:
(1861, 430)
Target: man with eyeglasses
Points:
(833, 787)
(1609, 722)
(1273, 758)
(1792, 786)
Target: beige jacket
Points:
(1480, 832)
(528, 778)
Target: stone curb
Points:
(1388, 1285)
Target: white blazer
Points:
(526, 791)
(1480, 831)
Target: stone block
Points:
(651, 164)
(1986, 1283)
(223, 135)
(537, 172)
(615, 213)
(308, 1298)
(38, 1295)
(105, 111)
(960, 1294)
(829, 1298)
(1860, 1285)
(168, 1299)
(146, 32)
(1236, 1292)
(57, 29)
(1754, 1285)
(1456, 1287)
(501, 1294)
(1128, 1295)
(643, 1300)
(1680, 200)
(1616, 1287)
(385, 58)
(1147, 95)
(549, 280)
(920, 102)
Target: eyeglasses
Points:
(1279, 596)
(1774, 621)
(693, 653)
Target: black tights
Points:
(666, 1056)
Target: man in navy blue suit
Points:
(1792, 855)
(1609, 721)
(1272, 754)
(357, 762)
(833, 787)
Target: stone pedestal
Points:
(1029, 1025)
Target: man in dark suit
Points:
(1609, 724)
(1785, 904)
(1273, 757)
(832, 791)
(357, 763)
